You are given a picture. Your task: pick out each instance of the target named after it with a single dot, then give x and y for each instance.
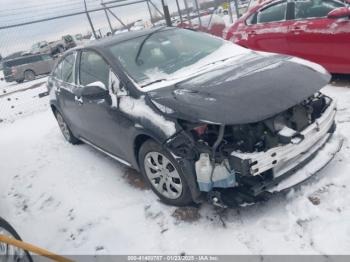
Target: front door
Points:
(266, 30)
(101, 119)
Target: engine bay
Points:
(264, 135)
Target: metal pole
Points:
(179, 10)
(107, 16)
(188, 13)
(166, 12)
(116, 17)
(89, 19)
(230, 11)
(236, 7)
(149, 10)
(199, 14)
(157, 9)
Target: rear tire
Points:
(67, 133)
(29, 75)
(7, 230)
(164, 175)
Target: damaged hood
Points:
(255, 88)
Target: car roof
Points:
(115, 39)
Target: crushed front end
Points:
(238, 164)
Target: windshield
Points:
(160, 54)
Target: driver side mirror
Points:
(96, 90)
(342, 12)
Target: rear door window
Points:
(274, 13)
(67, 68)
(307, 9)
(57, 73)
(31, 59)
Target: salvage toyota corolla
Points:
(200, 117)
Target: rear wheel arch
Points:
(28, 71)
(54, 109)
(64, 126)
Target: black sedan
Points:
(200, 117)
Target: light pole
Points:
(166, 12)
(89, 19)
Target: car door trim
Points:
(105, 152)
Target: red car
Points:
(211, 24)
(316, 30)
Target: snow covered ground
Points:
(21, 100)
(74, 200)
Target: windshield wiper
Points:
(153, 82)
(217, 61)
(143, 43)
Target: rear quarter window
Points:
(57, 72)
(306, 9)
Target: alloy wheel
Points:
(63, 126)
(163, 175)
(29, 75)
(9, 252)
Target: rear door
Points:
(64, 78)
(266, 29)
(315, 37)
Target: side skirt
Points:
(105, 152)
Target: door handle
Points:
(78, 100)
(296, 29)
(251, 33)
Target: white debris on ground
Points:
(74, 200)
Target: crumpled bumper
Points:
(278, 168)
(314, 163)
(295, 162)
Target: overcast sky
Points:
(18, 11)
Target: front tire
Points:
(164, 175)
(67, 133)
